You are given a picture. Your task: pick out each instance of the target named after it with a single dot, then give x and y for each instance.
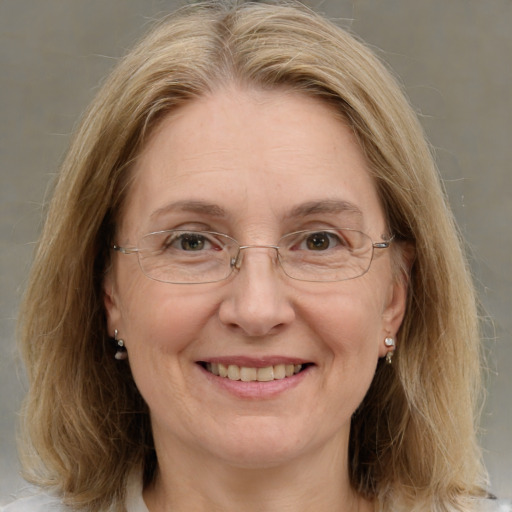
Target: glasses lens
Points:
(179, 256)
(325, 255)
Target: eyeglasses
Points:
(195, 257)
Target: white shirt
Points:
(46, 503)
(135, 503)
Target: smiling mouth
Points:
(252, 374)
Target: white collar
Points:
(134, 499)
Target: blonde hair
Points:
(85, 426)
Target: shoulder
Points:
(34, 500)
(36, 503)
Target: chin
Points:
(266, 444)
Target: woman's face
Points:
(254, 165)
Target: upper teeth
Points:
(247, 374)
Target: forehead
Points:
(262, 154)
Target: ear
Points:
(394, 308)
(110, 302)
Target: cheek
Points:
(162, 326)
(347, 328)
(157, 317)
(160, 319)
(348, 321)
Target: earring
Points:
(121, 350)
(390, 343)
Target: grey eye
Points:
(190, 242)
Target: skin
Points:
(257, 156)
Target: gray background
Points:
(454, 58)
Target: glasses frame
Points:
(236, 262)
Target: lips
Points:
(255, 378)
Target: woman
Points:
(240, 297)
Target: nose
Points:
(257, 300)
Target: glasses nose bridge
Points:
(236, 262)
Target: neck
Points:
(315, 481)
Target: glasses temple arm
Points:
(383, 245)
(125, 250)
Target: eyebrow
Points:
(191, 206)
(326, 206)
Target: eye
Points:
(321, 241)
(190, 242)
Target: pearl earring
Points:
(390, 343)
(121, 349)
